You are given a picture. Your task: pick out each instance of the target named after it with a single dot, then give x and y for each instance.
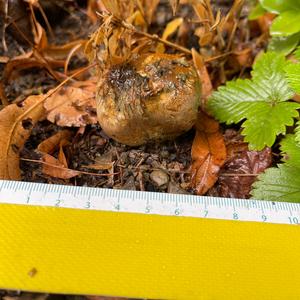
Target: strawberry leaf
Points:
(261, 101)
(293, 76)
(278, 184)
(286, 23)
(282, 183)
(278, 6)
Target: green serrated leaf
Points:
(286, 23)
(265, 121)
(293, 76)
(225, 104)
(269, 74)
(297, 133)
(260, 101)
(282, 183)
(284, 44)
(278, 184)
(290, 150)
(278, 6)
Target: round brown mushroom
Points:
(150, 97)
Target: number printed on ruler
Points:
(27, 193)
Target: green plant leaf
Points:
(286, 23)
(278, 6)
(256, 12)
(278, 184)
(290, 150)
(265, 122)
(282, 183)
(297, 53)
(284, 44)
(297, 133)
(260, 101)
(293, 76)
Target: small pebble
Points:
(129, 184)
(159, 178)
(173, 188)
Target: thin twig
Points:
(66, 169)
(46, 20)
(237, 174)
(156, 38)
(4, 26)
(217, 57)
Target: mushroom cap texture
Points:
(151, 97)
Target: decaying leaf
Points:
(174, 4)
(169, 30)
(16, 123)
(206, 85)
(208, 154)
(72, 106)
(50, 144)
(149, 8)
(61, 154)
(53, 167)
(241, 167)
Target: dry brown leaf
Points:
(16, 123)
(53, 167)
(4, 59)
(244, 57)
(149, 8)
(61, 52)
(171, 28)
(174, 5)
(72, 106)
(208, 154)
(50, 144)
(61, 154)
(29, 60)
(206, 85)
(94, 6)
(241, 167)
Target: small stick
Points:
(237, 174)
(62, 168)
(4, 26)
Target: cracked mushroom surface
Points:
(150, 97)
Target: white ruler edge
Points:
(38, 194)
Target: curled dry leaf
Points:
(16, 123)
(72, 106)
(206, 85)
(174, 4)
(208, 154)
(241, 167)
(61, 154)
(53, 167)
(52, 143)
(169, 30)
(47, 147)
(149, 8)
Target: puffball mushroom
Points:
(150, 97)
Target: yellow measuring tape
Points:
(72, 251)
